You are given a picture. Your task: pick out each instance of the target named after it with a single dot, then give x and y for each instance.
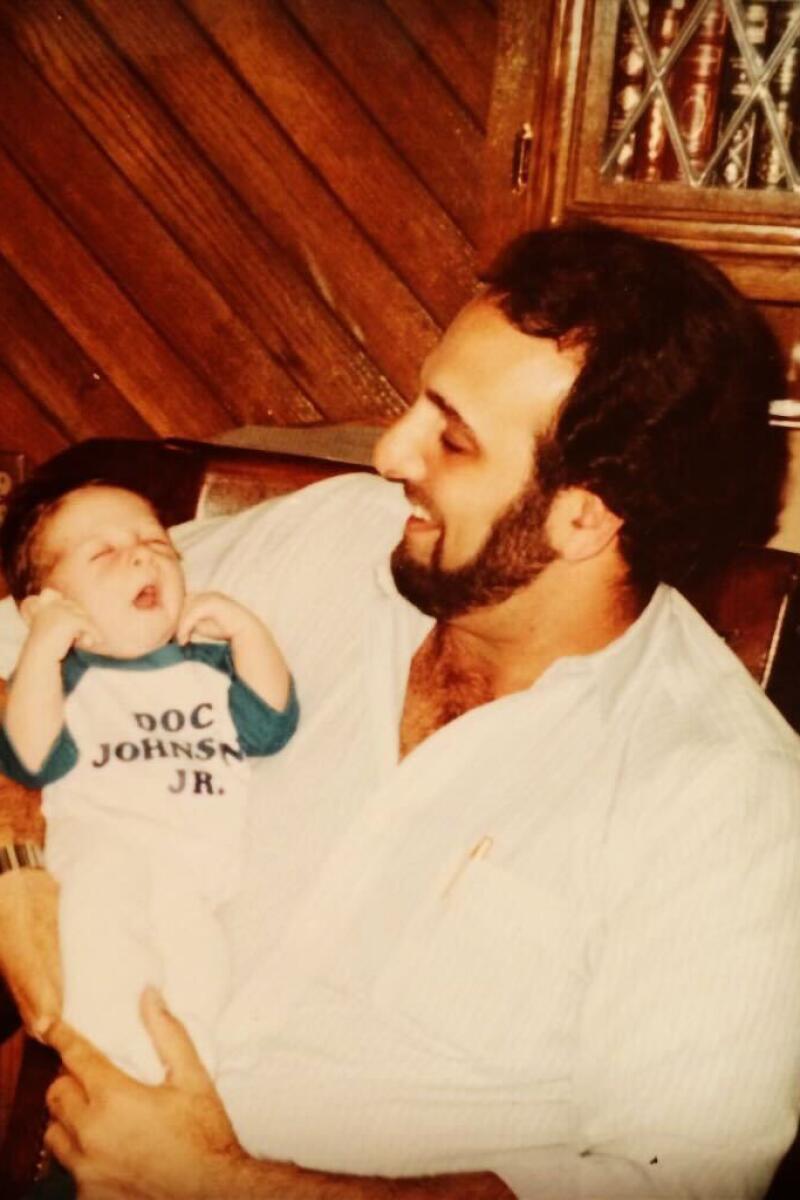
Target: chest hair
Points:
(443, 683)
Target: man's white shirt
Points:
(560, 940)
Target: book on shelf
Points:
(694, 91)
(769, 167)
(627, 87)
(652, 145)
(736, 163)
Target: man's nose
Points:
(399, 453)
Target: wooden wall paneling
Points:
(473, 24)
(344, 145)
(372, 53)
(24, 426)
(79, 400)
(97, 315)
(255, 276)
(458, 37)
(136, 251)
(283, 192)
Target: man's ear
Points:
(579, 524)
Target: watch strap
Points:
(16, 855)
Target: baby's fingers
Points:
(200, 615)
(191, 614)
(87, 635)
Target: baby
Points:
(139, 736)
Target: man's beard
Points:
(515, 551)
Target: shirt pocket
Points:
(489, 970)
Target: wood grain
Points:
(95, 312)
(255, 275)
(396, 83)
(26, 426)
(459, 38)
(53, 369)
(355, 160)
(10, 1058)
(233, 213)
(523, 74)
(321, 244)
(134, 248)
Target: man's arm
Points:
(29, 958)
(175, 1142)
(265, 1181)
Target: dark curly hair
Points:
(667, 421)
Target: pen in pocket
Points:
(478, 851)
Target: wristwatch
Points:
(16, 855)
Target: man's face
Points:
(466, 455)
(106, 550)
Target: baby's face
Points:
(105, 550)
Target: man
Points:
(521, 909)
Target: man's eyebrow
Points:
(447, 410)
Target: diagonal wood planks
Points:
(395, 84)
(253, 274)
(135, 249)
(221, 212)
(333, 132)
(65, 383)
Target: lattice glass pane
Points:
(706, 92)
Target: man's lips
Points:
(421, 518)
(419, 521)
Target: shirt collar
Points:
(164, 656)
(609, 669)
(612, 669)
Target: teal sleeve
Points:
(61, 758)
(261, 729)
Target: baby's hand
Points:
(211, 614)
(57, 624)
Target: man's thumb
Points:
(172, 1044)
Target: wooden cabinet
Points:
(551, 145)
(584, 88)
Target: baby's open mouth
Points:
(147, 597)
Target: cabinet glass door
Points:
(706, 93)
(691, 108)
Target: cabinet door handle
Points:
(521, 161)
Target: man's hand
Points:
(123, 1140)
(56, 625)
(120, 1138)
(29, 957)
